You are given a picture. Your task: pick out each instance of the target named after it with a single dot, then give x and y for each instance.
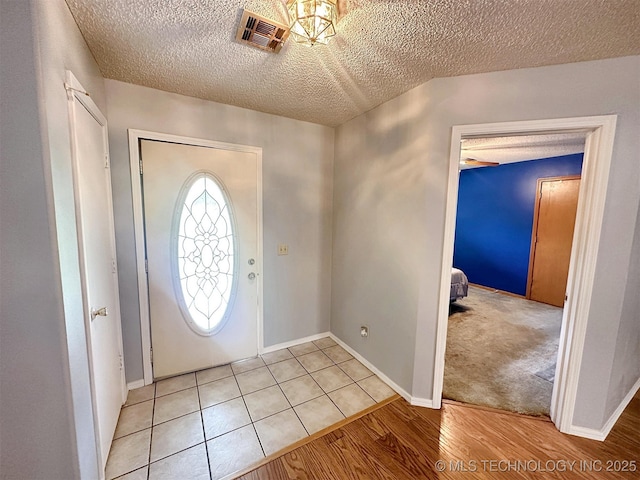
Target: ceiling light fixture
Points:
(312, 21)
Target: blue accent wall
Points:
(495, 219)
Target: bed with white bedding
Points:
(459, 284)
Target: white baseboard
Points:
(136, 384)
(601, 434)
(371, 367)
(590, 433)
(422, 402)
(291, 343)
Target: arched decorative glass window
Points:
(204, 255)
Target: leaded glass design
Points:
(206, 252)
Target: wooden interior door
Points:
(553, 224)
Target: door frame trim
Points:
(77, 94)
(595, 173)
(534, 230)
(138, 220)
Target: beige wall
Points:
(626, 362)
(382, 207)
(61, 47)
(47, 418)
(297, 167)
(389, 204)
(379, 228)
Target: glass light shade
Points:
(312, 21)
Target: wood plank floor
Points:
(399, 441)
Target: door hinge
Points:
(121, 363)
(113, 266)
(106, 161)
(151, 354)
(140, 166)
(146, 265)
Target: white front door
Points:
(96, 239)
(200, 210)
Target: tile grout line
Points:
(283, 394)
(290, 404)
(242, 395)
(331, 399)
(354, 382)
(173, 454)
(249, 414)
(204, 432)
(184, 449)
(292, 378)
(325, 393)
(312, 378)
(155, 388)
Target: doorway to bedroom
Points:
(516, 209)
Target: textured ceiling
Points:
(383, 47)
(520, 148)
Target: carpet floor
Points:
(501, 352)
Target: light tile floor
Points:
(211, 423)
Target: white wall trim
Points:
(373, 368)
(292, 343)
(422, 402)
(602, 433)
(136, 384)
(584, 253)
(138, 216)
(595, 174)
(590, 433)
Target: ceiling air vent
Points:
(261, 32)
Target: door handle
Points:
(99, 312)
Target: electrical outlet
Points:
(364, 331)
(283, 249)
